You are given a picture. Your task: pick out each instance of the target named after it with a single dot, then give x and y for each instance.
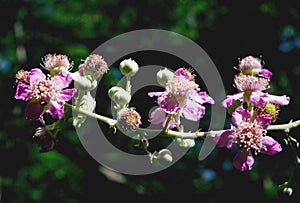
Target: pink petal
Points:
(255, 99)
(202, 97)
(23, 92)
(169, 104)
(230, 99)
(265, 120)
(64, 78)
(266, 73)
(239, 115)
(35, 74)
(182, 72)
(243, 160)
(157, 116)
(281, 100)
(66, 94)
(225, 139)
(157, 94)
(193, 111)
(34, 111)
(56, 109)
(272, 146)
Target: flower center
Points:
(45, 90)
(250, 136)
(250, 83)
(180, 87)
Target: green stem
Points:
(109, 121)
(128, 85)
(167, 123)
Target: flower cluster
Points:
(252, 111)
(44, 93)
(48, 93)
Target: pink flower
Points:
(249, 136)
(182, 96)
(45, 94)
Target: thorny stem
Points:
(171, 133)
(285, 127)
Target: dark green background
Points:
(226, 30)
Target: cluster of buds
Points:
(252, 111)
(128, 119)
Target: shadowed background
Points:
(226, 30)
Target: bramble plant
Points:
(251, 109)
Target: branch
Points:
(175, 134)
(285, 127)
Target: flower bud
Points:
(163, 76)
(119, 95)
(129, 119)
(83, 83)
(165, 155)
(129, 67)
(186, 143)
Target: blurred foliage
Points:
(226, 30)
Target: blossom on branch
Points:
(182, 96)
(250, 136)
(44, 93)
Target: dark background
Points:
(226, 30)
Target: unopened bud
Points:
(186, 143)
(119, 95)
(129, 67)
(82, 82)
(165, 155)
(163, 76)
